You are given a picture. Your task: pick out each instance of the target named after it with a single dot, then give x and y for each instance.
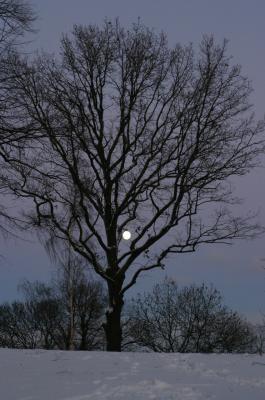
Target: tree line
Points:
(68, 314)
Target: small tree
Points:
(68, 312)
(70, 277)
(46, 311)
(126, 133)
(190, 319)
(91, 302)
(17, 327)
(83, 300)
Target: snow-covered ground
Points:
(62, 375)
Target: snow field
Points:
(65, 375)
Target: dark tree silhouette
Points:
(127, 133)
(67, 312)
(83, 300)
(16, 19)
(43, 319)
(190, 319)
(46, 311)
(17, 327)
(91, 302)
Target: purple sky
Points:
(238, 270)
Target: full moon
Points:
(126, 235)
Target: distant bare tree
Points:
(68, 312)
(83, 301)
(130, 134)
(46, 311)
(70, 275)
(91, 302)
(189, 319)
(17, 327)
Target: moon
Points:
(126, 235)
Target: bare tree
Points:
(82, 299)
(67, 312)
(46, 311)
(17, 326)
(129, 134)
(16, 19)
(189, 319)
(70, 275)
(91, 303)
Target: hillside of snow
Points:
(65, 375)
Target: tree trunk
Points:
(71, 321)
(112, 325)
(83, 343)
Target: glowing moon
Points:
(126, 235)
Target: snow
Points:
(65, 375)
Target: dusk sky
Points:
(237, 271)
